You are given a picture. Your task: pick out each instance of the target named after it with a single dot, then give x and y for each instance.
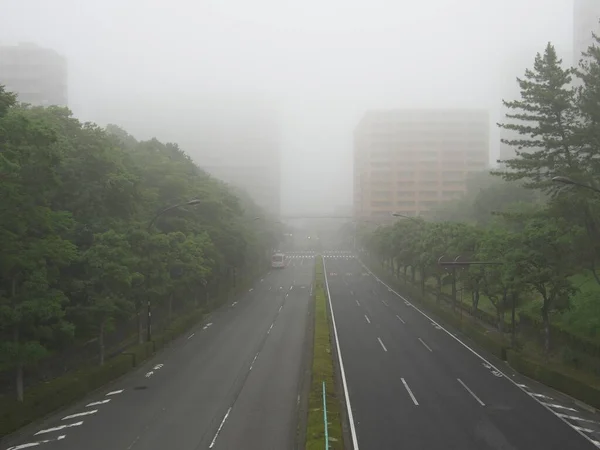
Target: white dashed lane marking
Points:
(60, 427)
(36, 443)
(115, 392)
(101, 402)
(81, 414)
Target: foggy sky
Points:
(323, 63)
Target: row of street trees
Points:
(539, 230)
(97, 227)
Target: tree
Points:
(547, 119)
(543, 260)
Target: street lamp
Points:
(160, 213)
(406, 217)
(567, 180)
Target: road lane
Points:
(448, 382)
(265, 413)
(178, 399)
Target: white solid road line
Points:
(412, 396)
(342, 370)
(212, 444)
(85, 413)
(368, 321)
(426, 346)
(60, 427)
(382, 346)
(270, 328)
(102, 402)
(520, 386)
(115, 392)
(207, 325)
(35, 444)
(471, 392)
(253, 361)
(400, 318)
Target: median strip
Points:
(324, 417)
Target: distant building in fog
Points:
(586, 14)
(38, 75)
(242, 146)
(408, 161)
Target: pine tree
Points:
(547, 119)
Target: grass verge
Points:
(323, 370)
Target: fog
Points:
(147, 65)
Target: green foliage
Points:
(79, 256)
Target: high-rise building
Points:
(37, 75)
(408, 161)
(242, 147)
(586, 14)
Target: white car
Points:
(278, 261)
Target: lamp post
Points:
(567, 180)
(160, 213)
(406, 217)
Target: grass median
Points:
(323, 371)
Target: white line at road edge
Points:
(342, 371)
(412, 396)
(481, 358)
(212, 444)
(382, 346)
(35, 444)
(471, 392)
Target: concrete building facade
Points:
(38, 75)
(408, 161)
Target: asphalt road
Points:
(232, 383)
(414, 385)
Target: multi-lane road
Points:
(237, 381)
(411, 384)
(234, 382)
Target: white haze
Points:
(145, 64)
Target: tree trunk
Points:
(546, 320)
(170, 308)
(101, 343)
(513, 340)
(439, 289)
(423, 279)
(19, 368)
(140, 327)
(413, 274)
(19, 374)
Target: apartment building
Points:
(409, 161)
(586, 14)
(38, 75)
